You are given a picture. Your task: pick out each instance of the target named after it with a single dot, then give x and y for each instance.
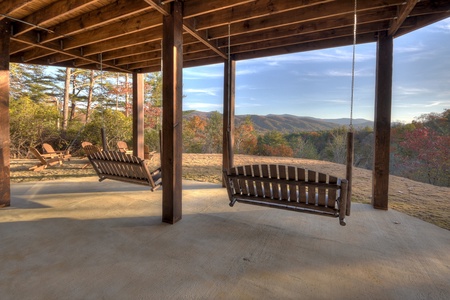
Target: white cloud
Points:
(246, 71)
(441, 27)
(343, 54)
(246, 104)
(444, 104)
(213, 71)
(410, 49)
(207, 91)
(402, 90)
(201, 105)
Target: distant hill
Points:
(289, 123)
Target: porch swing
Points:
(120, 166)
(293, 188)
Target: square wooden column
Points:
(382, 124)
(172, 141)
(229, 93)
(138, 115)
(5, 181)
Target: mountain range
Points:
(289, 123)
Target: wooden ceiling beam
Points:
(202, 37)
(189, 26)
(202, 62)
(138, 58)
(132, 50)
(55, 48)
(420, 21)
(309, 46)
(17, 46)
(431, 8)
(58, 58)
(202, 7)
(309, 27)
(311, 37)
(11, 6)
(404, 12)
(113, 12)
(321, 11)
(36, 53)
(132, 25)
(255, 9)
(56, 10)
(148, 70)
(151, 55)
(145, 36)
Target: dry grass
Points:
(424, 201)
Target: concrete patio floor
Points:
(82, 239)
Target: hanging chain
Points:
(102, 90)
(229, 77)
(355, 21)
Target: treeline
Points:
(419, 150)
(64, 107)
(69, 106)
(204, 135)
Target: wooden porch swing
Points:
(293, 188)
(121, 166)
(124, 167)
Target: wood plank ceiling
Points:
(125, 36)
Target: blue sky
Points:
(318, 83)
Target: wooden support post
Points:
(138, 115)
(172, 73)
(5, 181)
(228, 114)
(382, 124)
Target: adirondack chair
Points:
(123, 147)
(148, 155)
(88, 150)
(124, 167)
(48, 150)
(83, 144)
(44, 162)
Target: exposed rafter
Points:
(128, 34)
(189, 26)
(404, 12)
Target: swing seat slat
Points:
(124, 167)
(287, 187)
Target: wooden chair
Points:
(124, 167)
(290, 188)
(44, 162)
(148, 156)
(89, 149)
(48, 150)
(123, 147)
(83, 144)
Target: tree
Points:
(273, 143)
(66, 99)
(31, 124)
(302, 148)
(245, 137)
(116, 125)
(426, 155)
(194, 134)
(153, 100)
(336, 149)
(32, 82)
(213, 134)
